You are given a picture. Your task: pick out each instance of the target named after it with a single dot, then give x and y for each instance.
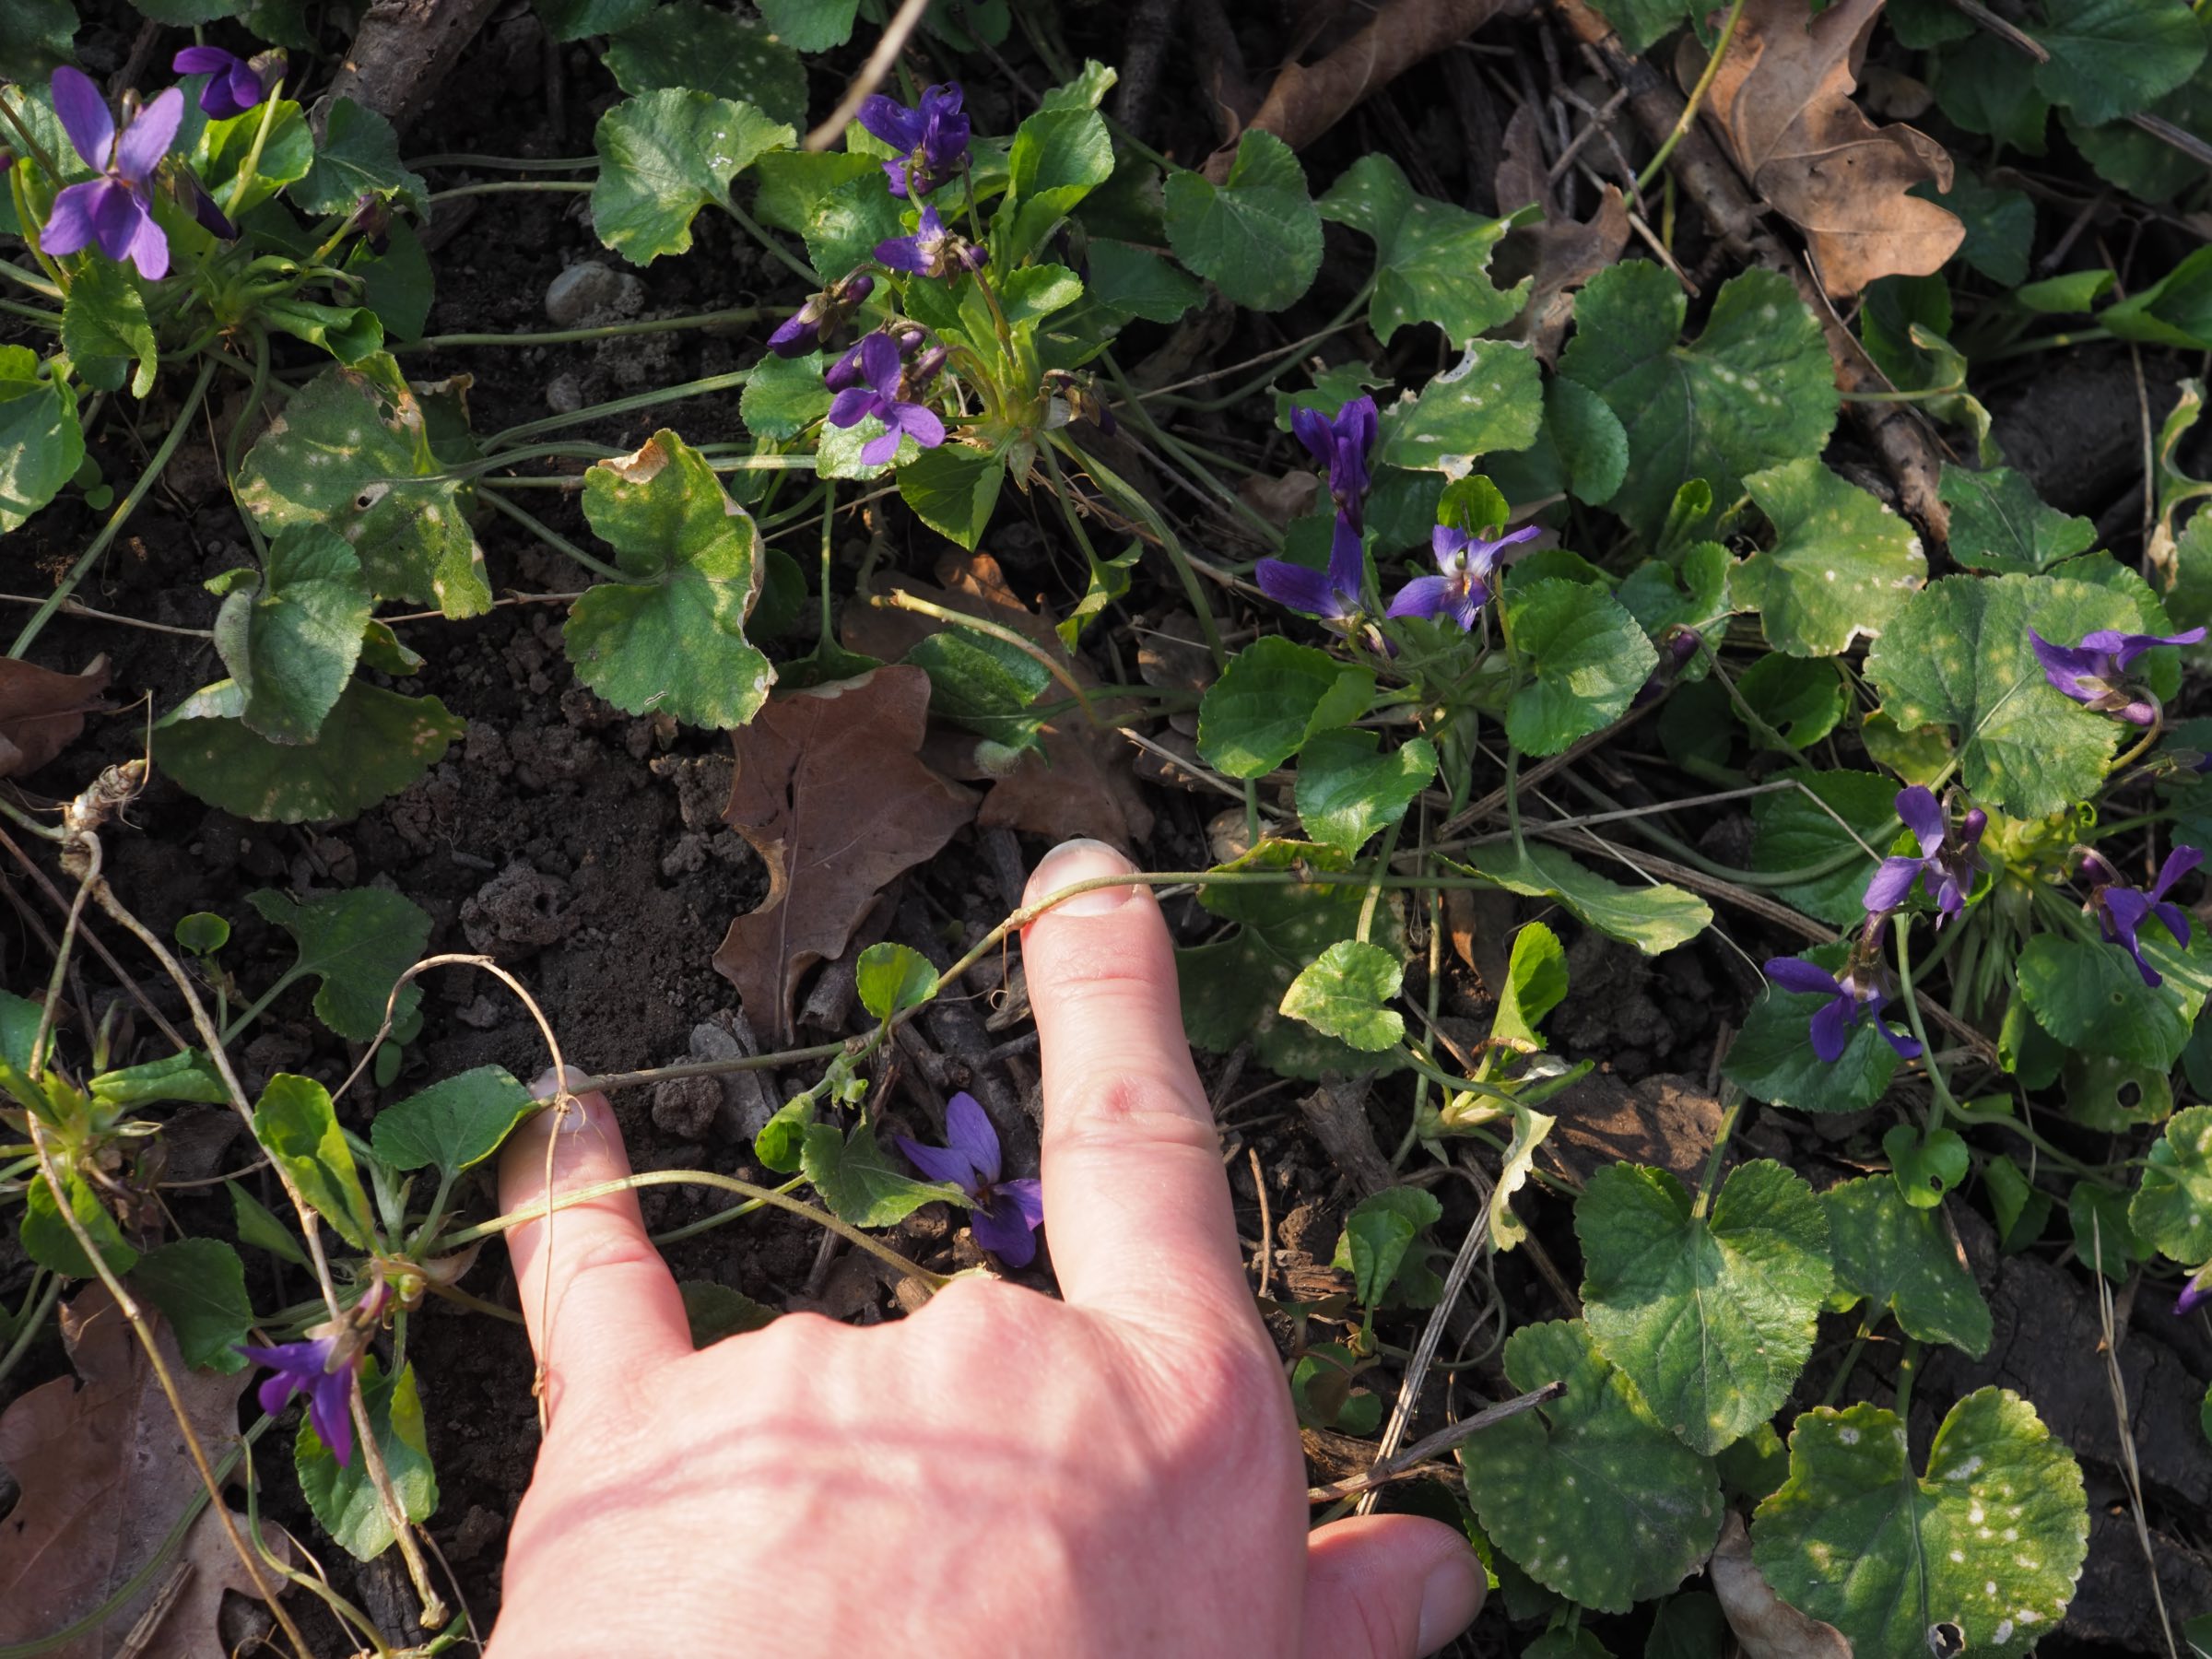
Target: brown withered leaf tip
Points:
(43, 713)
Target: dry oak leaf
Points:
(105, 1474)
(1766, 1626)
(1083, 781)
(42, 711)
(1559, 254)
(1781, 101)
(829, 791)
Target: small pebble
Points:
(588, 289)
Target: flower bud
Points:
(928, 366)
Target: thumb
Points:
(1388, 1587)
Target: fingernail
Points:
(1074, 861)
(1450, 1596)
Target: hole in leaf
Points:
(2131, 1094)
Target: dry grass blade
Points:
(2109, 1346)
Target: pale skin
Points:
(1115, 1474)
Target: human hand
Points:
(1116, 1473)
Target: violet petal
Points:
(83, 116)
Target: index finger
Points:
(1136, 1200)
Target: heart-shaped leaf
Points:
(2089, 995)
(1587, 658)
(342, 1495)
(1346, 993)
(1347, 789)
(892, 978)
(1990, 1539)
(105, 329)
(41, 443)
(664, 155)
(2172, 1208)
(1899, 1257)
(1378, 1233)
(1429, 256)
(1710, 1315)
(200, 1286)
(1491, 400)
(357, 943)
(1999, 523)
(1772, 1058)
(454, 1124)
(1274, 696)
(359, 153)
(291, 635)
(372, 744)
(1588, 1494)
(1842, 565)
(1256, 235)
(1796, 834)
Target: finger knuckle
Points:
(1141, 1105)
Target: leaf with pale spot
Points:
(352, 451)
(1346, 993)
(1842, 565)
(664, 155)
(1899, 1257)
(1958, 655)
(672, 639)
(1491, 400)
(1999, 523)
(1711, 1316)
(1430, 257)
(291, 635)
(1990, 1539)
(2172, 1208)
(696, 47)
(1587, 1493)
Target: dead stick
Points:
(1444, 1439)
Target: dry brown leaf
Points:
(42, 711)
(1308, 99)
(829, 791)
(1083, 782)
(1767, 1626)
(1781, 101)
(105, 1474)
(1561, 253)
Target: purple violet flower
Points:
(883, 393)
(931, 139)
(1946, 863)
(1341, 445)
(1678, 645)
(1857, 996)
(821, 316)
(2094, 673)
(233, 87)
(2198, 1288)
(304, 1367)
(931, 251)
(1007, 1213)
(1334, 595)
(2121, 909)
(115, 209)
(1467, 563)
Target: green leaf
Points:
(573, 20)
(396, 284)
(360, 152)
(295, 1126)
(1233, 987)
(782, 1140)
(1376, 1236)
(857, 1181)
(371, 744)
(1272, 697)
(1429, 256)
(1058, 157)
(1492, 399)
(1842, 565)
(715, 1311)
(357, 943)
(1772, 1058)
(1756, 389)
(810, 25)
(1508, 1231)
(893, 978)
(1925, 1166)
(48, 1240)
(2102, 1235)
(1344, 993)
(185, 13)
(2000, 225)
(1588, 1494)
(1588, 659)
(2088, 995)
(690, 47)
(1257, 236)
(1990, 1539)
(1893, 1255)
(352, 333)
(1800, 699)
(1710, 1316)
(352, 452)
(1792, 833)
(1136, 282)
(2175, 311)
(257, 1225)
(1640, 23)
(2110, 58)
(105, 330)
(1592, 444)
(454, 1124)
(664, 155)
(788, 185)
(1654, 919)
(844, 225)
(1688, 1626)
(341, 1494)
(200, 1286)
(41, 443)
(1347, 790)
(952, 489)
(285, 155)
(2139, 163)
(1999, 523)
(982, 684)
(1535, 984)
(1959, 655)
(186, 1075)
(2172, 1208)
(291, 636)
(674, 640)
(783, 396)
(35, 35)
